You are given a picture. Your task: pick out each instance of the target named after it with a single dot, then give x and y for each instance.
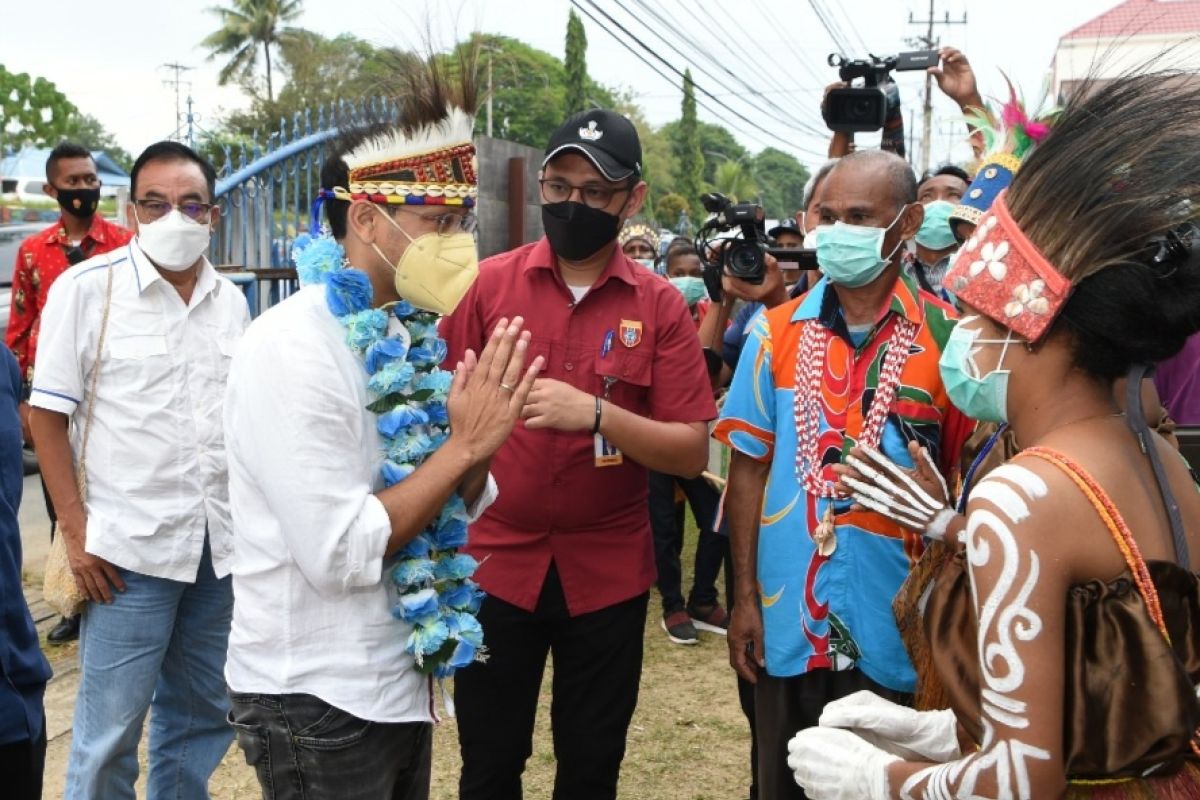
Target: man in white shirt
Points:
(150, 542)
(332, 696)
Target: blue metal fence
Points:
(266, 191)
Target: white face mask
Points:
(173, 242)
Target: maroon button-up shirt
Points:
(555, 503)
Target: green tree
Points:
(668, 209)
(32, 111)
(716, 143)
(576, 66)
(688, 152)
(781, 180)
(88, 131)
(735, 181)
(528, 90)
(245, 26)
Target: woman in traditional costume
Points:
(1066, 631)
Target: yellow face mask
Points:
(435, 271)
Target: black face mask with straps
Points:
(577, 231)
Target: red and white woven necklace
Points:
(810, 367)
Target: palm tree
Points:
(246, 24)
(734, 181)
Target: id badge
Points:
(607, 454)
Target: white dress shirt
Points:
(312, 600)
(156, 474)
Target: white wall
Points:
(1110, 57)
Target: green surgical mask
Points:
(692, 288)
(980, 397)
(935, 231)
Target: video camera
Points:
(742, 256)
(864, 108)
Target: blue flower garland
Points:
(431, 579)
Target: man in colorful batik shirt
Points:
(852, 362)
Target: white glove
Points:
(914, 735)
(833, 764)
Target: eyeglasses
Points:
(157, 209)
(447, 224)
(555, 190)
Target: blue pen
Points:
(608, 343)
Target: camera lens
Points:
(744, 260)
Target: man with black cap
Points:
(566, 555)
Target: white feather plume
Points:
(454, 129)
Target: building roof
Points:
(1142, 18)
(30, 162)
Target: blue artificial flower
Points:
(418, 547)
(455, 508)
(412, 448)
(365, 328)
(403, 310)
(463, 656)
(426, 640)
(437, 439)
(412, 572)
(438, 381)
(437, 413)
(465, 596)
(347, 291)
(431, 353)
(418, 608)
(400, 418)
(455, 567)
(393, 348)
(394, 473)
(451, 536)
(316, 257)
(393, 377)
(465, 627)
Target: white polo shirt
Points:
(312, 609)
(156, 471)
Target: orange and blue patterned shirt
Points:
(835, 612)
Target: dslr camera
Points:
(743, 255)
(864, 108)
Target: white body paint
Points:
(1004, 622)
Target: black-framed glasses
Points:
(157, 209)
(449, 223)
(556, 190)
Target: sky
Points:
(108, 57)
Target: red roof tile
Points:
(1142, 18)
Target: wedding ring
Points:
(507, 388)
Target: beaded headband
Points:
(1002, 274)
(638, 230)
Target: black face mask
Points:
(81, 203)
(576, 231)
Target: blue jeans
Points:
(160, 644)
(302, 748)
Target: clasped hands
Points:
(846, 757)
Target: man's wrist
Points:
(973, 100)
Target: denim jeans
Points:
(305, 749)
(668, 541)
(159, 645)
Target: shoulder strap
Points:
(90, 397)
(1135, 417)
(1113, 520)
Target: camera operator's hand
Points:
(956, 79)
(771, 292)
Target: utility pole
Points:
(928, 42)
(489, 96)
(191, 138)
(179, 69)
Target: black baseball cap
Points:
(605, 138)
(786, 225)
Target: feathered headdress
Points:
(427, 157)
(1006, 141)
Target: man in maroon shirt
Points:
(566, 553)
(80, 233)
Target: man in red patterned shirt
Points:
(79, 234)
